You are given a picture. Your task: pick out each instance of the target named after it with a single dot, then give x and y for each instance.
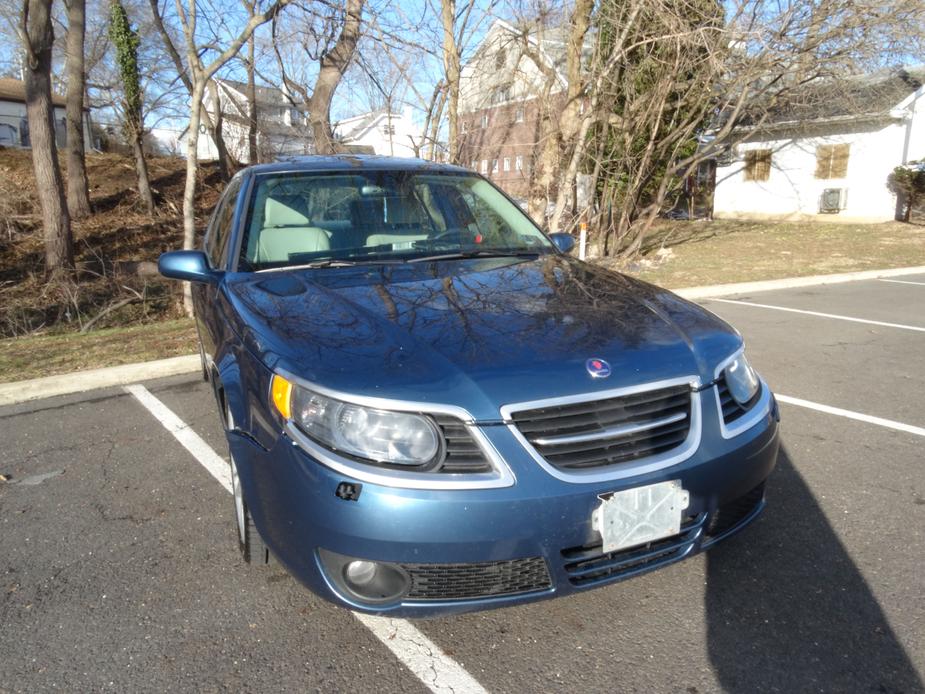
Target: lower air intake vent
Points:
(483, 580)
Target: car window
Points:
(219, 231)
(298, 218)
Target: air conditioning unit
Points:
(833, 200)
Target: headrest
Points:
(285, 211)
(402, 210)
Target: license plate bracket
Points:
(640, 515)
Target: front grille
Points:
(588, 565)
(483, 580)
(609, 432)
(463, 454)
(730, 514)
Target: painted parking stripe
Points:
(828, 409)
(189, 439)
(419, 654)
(423, 657)
(920, 284)
(901, 326)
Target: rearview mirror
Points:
(192, 266)
(564, 242)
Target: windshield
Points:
(381, 216)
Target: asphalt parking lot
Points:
(118, 568)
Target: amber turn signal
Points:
(281, 392)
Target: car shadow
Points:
(788, 610)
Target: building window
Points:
(500, 59)
(832, 161)
(500, 95)
(463, 126)
(484, 120)
(484, 166)
(388, 129)
(475, 165)
(758, 165)
(507, 163)
(519, 115)
(294, 116)
(518, 163)
(494, 166)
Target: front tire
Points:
(253, 549)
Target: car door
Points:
(216, 247)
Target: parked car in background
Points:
(432, 408)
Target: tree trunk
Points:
(141, 169)
(78, 197)
(189, 191)
(59, 245)
(251, 95)
(225, 163)
(333, 66)
(451, 68)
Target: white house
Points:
(14, 127)
(827, 154)
(380, 132)
(281, 127)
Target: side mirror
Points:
(192, 266)
(564, 242)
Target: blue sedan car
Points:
(431, 408)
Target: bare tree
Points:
(653, 88)
(202, 61)
(250, 92)
(170, 46)
(458, 24)
(78, 196)
(333, 57)
(37, 39)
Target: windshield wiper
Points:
(460, 255)
(344, 262)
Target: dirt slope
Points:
(115, 247)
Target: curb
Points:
(80, 381)
(715, 290)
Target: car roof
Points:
(353, 162)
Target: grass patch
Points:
(723, 251)
(47, 355)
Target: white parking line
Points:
(828, 409)
(189, 439)
(419, 654)
(921, 284)
(824, 315)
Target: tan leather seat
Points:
(287, 231)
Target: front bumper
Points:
(292, 498)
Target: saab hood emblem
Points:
(598, 368)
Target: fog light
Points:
(365, 581)
(360, 573)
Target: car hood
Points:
(478, 333)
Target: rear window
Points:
(299, 218)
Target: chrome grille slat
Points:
(611, 432)
(607, 432)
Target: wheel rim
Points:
(236, 488)
(238, 502)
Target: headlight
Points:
(392, 438)
(741, 380)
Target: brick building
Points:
(500, 110)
